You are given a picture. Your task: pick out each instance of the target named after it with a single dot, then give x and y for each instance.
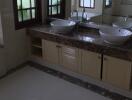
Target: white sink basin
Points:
(114, 35)
(123, 24)
(63, 26)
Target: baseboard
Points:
(15, 69)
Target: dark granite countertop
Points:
(88, 41)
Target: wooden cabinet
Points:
(117, 72)
(36, 46)
(50, 52)
(61, 54)
(114, 71)
(91, 64)
(70, 58)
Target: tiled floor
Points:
(32, 84)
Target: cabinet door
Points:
(70, 58)
(91, 64)
(117, 72)
(50, 52)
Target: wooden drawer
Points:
(69, 50)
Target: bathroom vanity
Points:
(86, 54)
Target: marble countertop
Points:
(88, 40)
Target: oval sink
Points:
(123, 24)
(114, 35)
(62, 26)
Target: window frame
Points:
(86, 7)
(62, 11)
(27, 23)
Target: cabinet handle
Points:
(105, 59)
(58, 46)
(99, 57)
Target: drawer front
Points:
(70, 62)
(69, 50)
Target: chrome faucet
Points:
(126, 18)
(84, 15)
(75, 11)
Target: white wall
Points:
(1, 31)
(44, 10)
(15, 42)
(68, 8)
(2, 50)
(2, 62)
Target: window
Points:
(26, 12)
(108, 3)
(87, 3)
(56, 8)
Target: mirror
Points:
(102, 11)
(126, 2)
(93, 10)
(119, 12)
